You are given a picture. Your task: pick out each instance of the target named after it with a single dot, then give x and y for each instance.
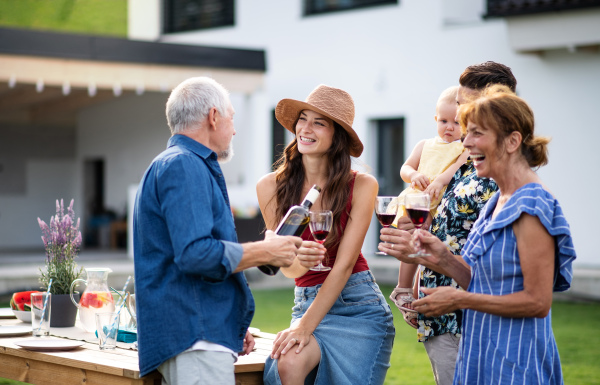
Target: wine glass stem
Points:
(418, 243)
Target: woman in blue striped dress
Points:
(519, 251)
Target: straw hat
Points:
(334, 103)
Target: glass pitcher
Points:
(96, 298)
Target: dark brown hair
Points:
(479, 76)
(290, 177)
(500, 110)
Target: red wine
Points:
(294, 223)
(417, 216)
(320, 235)
(386, 219)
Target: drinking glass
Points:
(417, 208)
(40, 313)
(386, 208)
(320, 225)
(107, 328)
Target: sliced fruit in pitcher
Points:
(96, 299)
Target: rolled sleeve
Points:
(233, 254)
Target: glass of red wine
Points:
(386, 208)
(417, 208)
(320, 225)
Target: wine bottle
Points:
(294, 222)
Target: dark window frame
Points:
(311, 8)
(390, 140)
(505, 8)
(174, 15)
(278, 139)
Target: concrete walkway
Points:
(20, 271)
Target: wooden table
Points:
(90, 366)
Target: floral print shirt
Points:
(461, 204)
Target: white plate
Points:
(6, 312)
(11, 331)
(48, 345)
(23, 316)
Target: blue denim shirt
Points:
(185, 252)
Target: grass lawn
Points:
(575, 329)
(95, 17)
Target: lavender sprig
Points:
(62, 241)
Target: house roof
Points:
(507, 8)
(46, 77)
(108, 49)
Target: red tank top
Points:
(312, 278)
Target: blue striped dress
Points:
(500, 350)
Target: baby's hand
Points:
(434, 189)
(419, 181)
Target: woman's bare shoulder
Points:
(266, 181)
(365, 183)
(363, 178)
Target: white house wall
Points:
(127, 134)
(395, 60)
(46, 181)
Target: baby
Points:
(429, 169)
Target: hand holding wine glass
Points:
(320, 225)
(417, 208)
(386, 208)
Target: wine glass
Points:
(386, 208)
(417, 208)
(320, 225)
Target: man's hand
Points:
(397, 243)
(248, 344)
(282, 249)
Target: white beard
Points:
(225, 156)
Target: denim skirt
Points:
(355, 337)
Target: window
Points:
(390, 155)
(315, 7)
(502, 8)
(278, 136)
(189, 15)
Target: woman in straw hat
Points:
(342, 329)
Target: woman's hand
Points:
(288, 338)
(400, 244)
(442, 260)
(310, 253)
(438, 301)
(439, 253)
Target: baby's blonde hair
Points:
(447, 96)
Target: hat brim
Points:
(288, 110)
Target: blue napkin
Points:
(124, 335)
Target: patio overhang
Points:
(46, 77)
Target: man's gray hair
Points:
(190, 102)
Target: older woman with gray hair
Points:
(519, 251)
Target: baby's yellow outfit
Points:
(436, 157)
